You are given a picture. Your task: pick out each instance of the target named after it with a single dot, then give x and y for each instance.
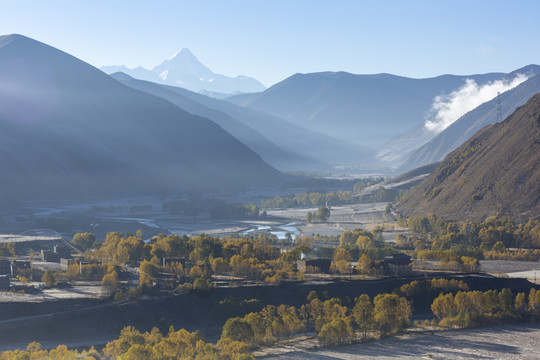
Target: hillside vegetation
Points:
(494, 173)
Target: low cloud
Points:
(448, 108)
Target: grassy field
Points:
(517, 342)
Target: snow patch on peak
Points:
(184, 52)
(164, 74)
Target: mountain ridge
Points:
(314, 146)
(68, 129)
(185, 70)
(355, 107)
(271, 153)
(495, 172)
(466, 126)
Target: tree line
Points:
(134, 345)
(335, 321)
(472, 308)
(455, 244)
(332, 321)
(312, 199)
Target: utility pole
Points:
(498, 109)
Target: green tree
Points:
(534, 303)
(403, 241)
(323, 214)
(49, 278)
(338, 331)
(346, 239)
(391, 313)
(147, 271)
(363, 314)
(220, 265)
(312, 296)
(237, 329)
(388, 208)
(232, 349)
(139, 352)
(84, 240)
(109, 283)
(202, 284)
(341, 254)
(506, 299)
(444, 306)
(520, 303)
(499, 247)
(309, 217)
(364, 242)
(343, 267)
(365, 263)
(121, 256)
(7, 250)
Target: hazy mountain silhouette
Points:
(275, 156)
(68, 129)
(316, 147)
(495, 172)
(137, 73)
(466, 126)
(185, 70)
(368, 109)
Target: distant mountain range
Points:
(495, 172)
(186, 71)
(270, 152)
(68, 129)
(279, 142)
(366, 109)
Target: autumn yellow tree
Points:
(363, 314)
(391, 313)
(109, 283)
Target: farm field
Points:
(517, 342)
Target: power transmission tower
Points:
(499, 114)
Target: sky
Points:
(271, 40)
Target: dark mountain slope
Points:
(496, 172)
(68, 129)
(275, 156)
(369, 109)
(466, 126)
(399, 152)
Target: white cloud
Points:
(448, 108)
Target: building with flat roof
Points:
(322, 264)
(397, 259)
(4, 282)
(5, 267)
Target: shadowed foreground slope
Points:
(68, 129)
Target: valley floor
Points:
(517, 342)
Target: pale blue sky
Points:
(271, 40)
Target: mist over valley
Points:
(301, 180)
